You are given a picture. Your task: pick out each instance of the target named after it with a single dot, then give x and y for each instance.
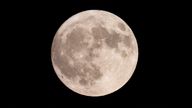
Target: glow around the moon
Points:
(94, 53)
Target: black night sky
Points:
(155, 80)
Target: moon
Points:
(94, 53)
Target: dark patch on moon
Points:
(99, 33)
(75, 43)
(127, 41)
(64, 66)
(75, 39)
(123, 54)
(112, 40)
(61, 61)
(91, 54)
(96, 74)
(121, 26)
(82, 81)
(93, 75)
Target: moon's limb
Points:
(94, 53)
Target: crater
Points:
(121, 26)
(123, 54)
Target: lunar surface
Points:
(94, 53)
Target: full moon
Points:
(94, 53)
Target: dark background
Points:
(159, 75)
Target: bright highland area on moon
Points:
(94, 53)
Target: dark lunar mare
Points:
(74, 43)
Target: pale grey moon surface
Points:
(94, 53)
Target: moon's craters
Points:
(83, 81)
(90, 73)
(127, 41)
(91, 54)
(113, 39)
(75, 39)
(64, 66)
(121, 26)
(76, 49)
(99, 33)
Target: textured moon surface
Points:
(94, 53)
